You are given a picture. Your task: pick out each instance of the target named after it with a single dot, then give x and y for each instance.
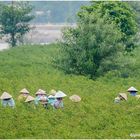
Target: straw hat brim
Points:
(60, 94)
(52, 92)
(132, 89)
(40, 92)
(5, 95)
(51, 97)
(24, 91)
(123, 95)
(75, 98)
(29, 99)
(138, 96)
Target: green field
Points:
(96, 116)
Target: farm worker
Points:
(52, 92)
(7, 100)
(52, 100)
(133, 91)
(75, 98)
(117, 100)
(122, 96)
(44, 101)
(59, 99)
(29, 99)
(41, 97)
(23, 94)
(39, 94)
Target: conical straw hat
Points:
(40, 91)
(60, 94)
(51, 96)
(29, 98)
(43, 98)
(132, 89)
(53, 92)
(75, 98)
(124, 95)
(5, 95)
(138, 96)
(24, 91)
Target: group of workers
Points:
(123, 96)
(55, 98)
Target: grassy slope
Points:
(96, 116)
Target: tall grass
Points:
(96, 116)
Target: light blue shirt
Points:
(9, 102)
(52, 101)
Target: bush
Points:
(121, 14)
(92, 47)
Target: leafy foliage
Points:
(136, 6)
(91, 48)
(14, 21)
(120, 13)
(105, 31)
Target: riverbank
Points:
(41, 34)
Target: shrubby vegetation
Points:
(96, 116)
(94, 48)
(120, 13)
(105, 31)
(136, 6)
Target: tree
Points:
(121, 13)
(136, 6)
(105, 31)
(14, 20)
(93, 47)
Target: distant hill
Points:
(56, 11)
